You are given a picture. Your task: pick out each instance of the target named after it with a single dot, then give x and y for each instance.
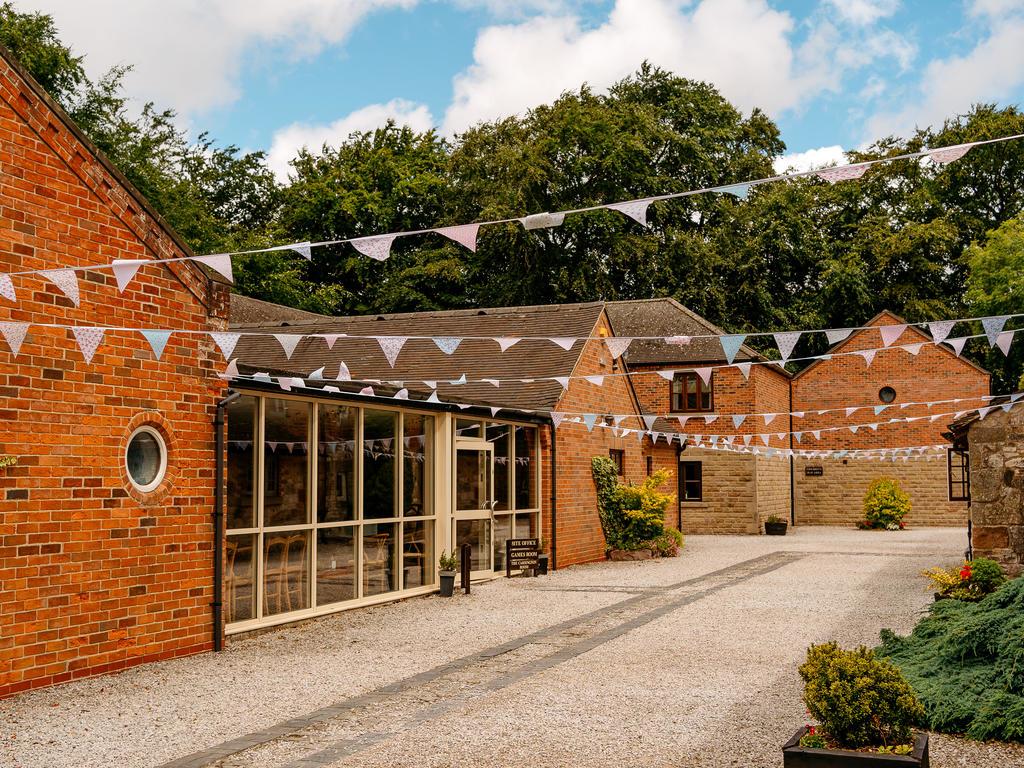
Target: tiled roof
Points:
(248, 312)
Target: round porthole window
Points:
(887, 394)
(146, 459)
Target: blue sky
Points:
(273, 75)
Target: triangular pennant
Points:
(635, 209)
(343, 372)
(890, 333)
(66, 280)
(433, 398)
(710, 419)
(225, 342)
(913, 349)
(704, 373)
(880, 408)
(430, 383)
(494, 411)
(219, 262)
(1004, 340)
(682, 421)
(124, 271)
(940, 329)
(617, 346)
(459, 381)
(597, 381)
(14, 334)
(738, 420)
(391, 346)
(590, 419)
(842, 173)
(993, 326)
(288, 342)
(463, 234)
(564, 342)
(731, 345)
(157, 341)
(747, 439)
(851, 411)
(556, 418)
(506, 341)
(563, 380)
(868, 355)
(737, 190)
(318, 374)
(305, 250)
(402, 394)
(492, 382)
(230, 370)
(377, 247)
(786, 342)
(89, 340)
(744, 369)
(668, 375)
(957, 345)
(368, 391)
(330, 338)
(769, 418)
(447, 344)
(7, 288)
(949, 154)
(836, 335)
(649, 421)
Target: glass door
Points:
(474, 504)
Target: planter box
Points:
(447, 583)
(795, 756)
(775, 529)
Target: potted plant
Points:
(542, 559)
(447, 565)
(865, 707)
(775, 526)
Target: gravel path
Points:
(683, 662)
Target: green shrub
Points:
(972, 581)
(632, 516)
(987, 575)
(885, 504)
(860, 700)
(668, 544)
(446, 562)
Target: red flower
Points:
(811, 730)
(965, 572)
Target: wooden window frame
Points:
(618, 457)
(702, 389)
(963, 485)
(683, 481)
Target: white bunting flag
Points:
(957, 345)
(557, 418)
(447, 344)
(563, 380)
(564, 342)
(89, 340)
(157, 341)
(744, 369)
(1004, 340)
(391, 346)
(948, 155)
(890, 333)
(769, 418)
(993, 327)
(219, 262)
(225, 342)
(589, 420)
(430, 384)
(913, 349)
(817, 434)
(124, 271)
(766, 439)
(542, 220)
(230, 370)
(433, 398)
(330, 338)
(402, 394)
(368, 391)
(842, 173)
(494, 411)
(506, 341)
(492, 382)
(710, 419)
(597, 381)
(880, 408)
(940, 329)
(635, 209)
(747, 439)
(305, 250)
(786, 342)
(459, 381)
(343, 372)
(617, 346)
(288, 342)
(14, 335)
(851, 411)
(731, 345)
(7, 288)
(682, 421)
(318, 374)
(736, 190)
(704, 373)
(463, 234)
(836, 335)
(668, 375)
(738, 420)
(649, 421)
(66, 280)
(868, 355)
(377, 247)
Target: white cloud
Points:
(822, 157)
(992, 71)
(289, 140)
(189, 54)
(863, 12)
(995, 8)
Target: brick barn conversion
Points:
(329, 495)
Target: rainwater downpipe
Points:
(218, 521)
(554, 500)
(792, 473)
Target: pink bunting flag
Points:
(89, 340)
(842, 173)
(635, 209)
(1004, 340)
(377, 247)
(368, 391)
(704, 373)
(891, 333)
(868, 355)
(225, 342)
(447, 344)
(949, 154)
(124, 271)
(7, 288)
(220, 263)
(786, 342)
(14, 335)
(913, 349)
(288, 342)
(564, 342)
(391, 346)
(617, 346)
(957, 345)
(464, 234)
(66, 280)
(505, 342)
(343, 372)
(330, 338)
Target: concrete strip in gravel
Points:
(712, 682)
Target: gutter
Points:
(554, 499)
(218, 522)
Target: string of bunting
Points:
(378, 247)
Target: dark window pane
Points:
(379, 429)
(498, 436)
(417, 470)
(335, 483)
(285, 572)
(286, 462)
(240, 578)
(335, 564)
(241, 474)
(526, 467)
(379, 559)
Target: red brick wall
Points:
(95, 576)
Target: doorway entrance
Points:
(474, 503)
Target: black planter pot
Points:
(795, 756)
(447, 583)
(542, 564)
(775, 529)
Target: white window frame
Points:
(161, 472)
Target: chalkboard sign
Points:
(814, 471)
(520, 553)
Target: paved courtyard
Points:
(682, 662)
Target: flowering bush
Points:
(972, 581)
(633, 516)
(885, 505)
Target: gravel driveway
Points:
(682, 662)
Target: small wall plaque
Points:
(814, 471)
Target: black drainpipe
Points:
(554, 500)
(218, 521)
(792, 473)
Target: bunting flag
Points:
(589, 420)
(704, 373)
(343, 372)
(949, 154)
(769, 418)
(14, 334)
(230, 370)
(158, 341)
(786, 342)
(402, 394)
(737, 421)
(913, 349)
(318, 374)
(447, 344)
(459, 381)
(288, 342)
(837, 335)
(940, 329)
(220, 263)
(89, 340)
(493, 382)
(617, 346)
(305, 250)
(993, 326)
(635, 209)
(842, 173)
(505, 342)
(66, 280)
(557, 418)
(731, 345)
(377, 247)
(542, 220)
(682, 421)
(463, 234)
(710, 419)
(1004, 340)
(225, 342)
(433, 398)
(891, 333)
(564, 342)
(7, 288)
(851, 411)
(597, 381)
(124, 271)
(736, 190)
(868, 355)
(563, 380)
(391, 346)
(330, 338)
(649, 421)
(368, 391)
(744, 369)
(957, 344)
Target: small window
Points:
(691, 481)
(618, 457)
(887, 394)
(650, 466)
(959, 475)
(146, 459)
(689, 393)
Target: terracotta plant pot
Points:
(447, 583)
(775, 529)
(795, 756)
